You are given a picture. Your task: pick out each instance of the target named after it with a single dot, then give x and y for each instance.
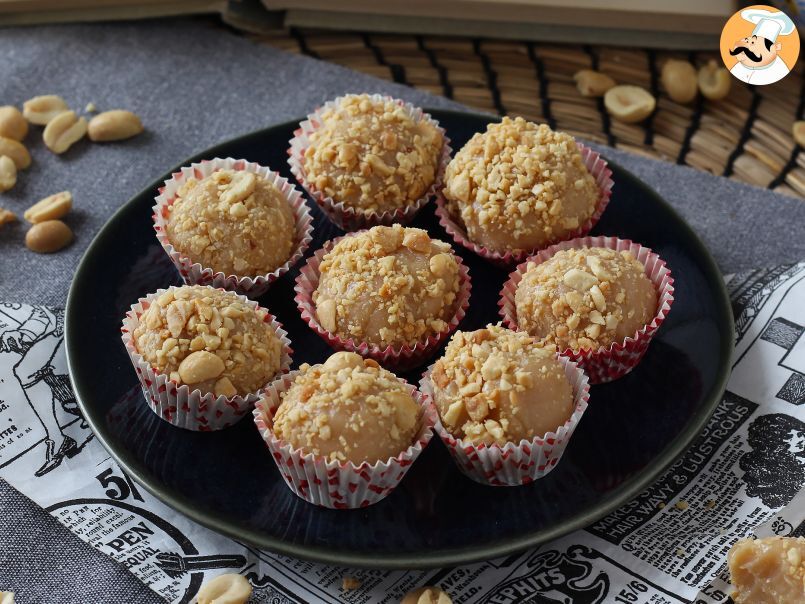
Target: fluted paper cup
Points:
(345, 217)
(515, 464)
(619, 358)
(400, 357)
(595, 164)
(335, 484)
(180, 405)
(195, 273)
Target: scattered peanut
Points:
(6, 216)
(64, 130)
(629, 104)
(426, 595)
(12, 124)
(41, 109)
(8, 173)
(230, 588)
(50, 208)
(593, 83)
(114, 126)
(350, 583)
(679, 80)
(714, 81)
(798, 131)
(90, 108)
(200, 366)
(16, 151)
(49, 236)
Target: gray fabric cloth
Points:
(194, 85)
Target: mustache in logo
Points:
(752, 56)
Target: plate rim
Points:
(446, 557)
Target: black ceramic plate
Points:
(634, 428)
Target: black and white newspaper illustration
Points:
(744, 474)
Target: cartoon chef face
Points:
(755, 51)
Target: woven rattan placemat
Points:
(746, 136)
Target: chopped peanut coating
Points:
(585, 298)
(388, 285)
(768, 571)
(234, 222)
(372, 155)
(495, 385)
(210, 340)
(348, 409)
(520, 186)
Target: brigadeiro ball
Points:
(520, 186)
(372, 154)
(348, 409)
(387, 286)
(210, 340)
(585, 298)
(495, 385)
(234, 222)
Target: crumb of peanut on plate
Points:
(7, 216)
(348, 409)
(768, 571)
(586, 298)
(210, 340)
(495, 385)
(387, 286)
(427, 595)
(234, 222)
(372, 155)
(520, 186)
(230, 588)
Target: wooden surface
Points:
(747, 136)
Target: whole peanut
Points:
(63, 131)
(50, 208)
(16, 151)
(114, 125)
(12, 124)
(41, 109)
(230, 588)
(679, 80)
(200, 366)
(629, 104)
(48, 237)
(8, 173)
(714, 81)
(593, 83)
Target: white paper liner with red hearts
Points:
(194, 273)
(349, 218)
(618, 359)
(179, 405)
(335, 484)
(399, 357)
(515, 464)
(595, 164)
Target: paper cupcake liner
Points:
(335, 484)
(619, 358)
(399, 357)
(349, 218)
(179, 405)
(515, 464)
(194, 273)
(595, 164)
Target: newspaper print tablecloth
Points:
(745, 473)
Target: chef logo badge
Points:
(759, 45)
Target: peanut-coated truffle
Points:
(210, 340)
(372, 155)
(585, 298)
(768, 571)
(520, 186)
(495, 385)
(348, 409)
(388, 285)
(234, 222)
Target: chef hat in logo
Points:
(769, 24)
